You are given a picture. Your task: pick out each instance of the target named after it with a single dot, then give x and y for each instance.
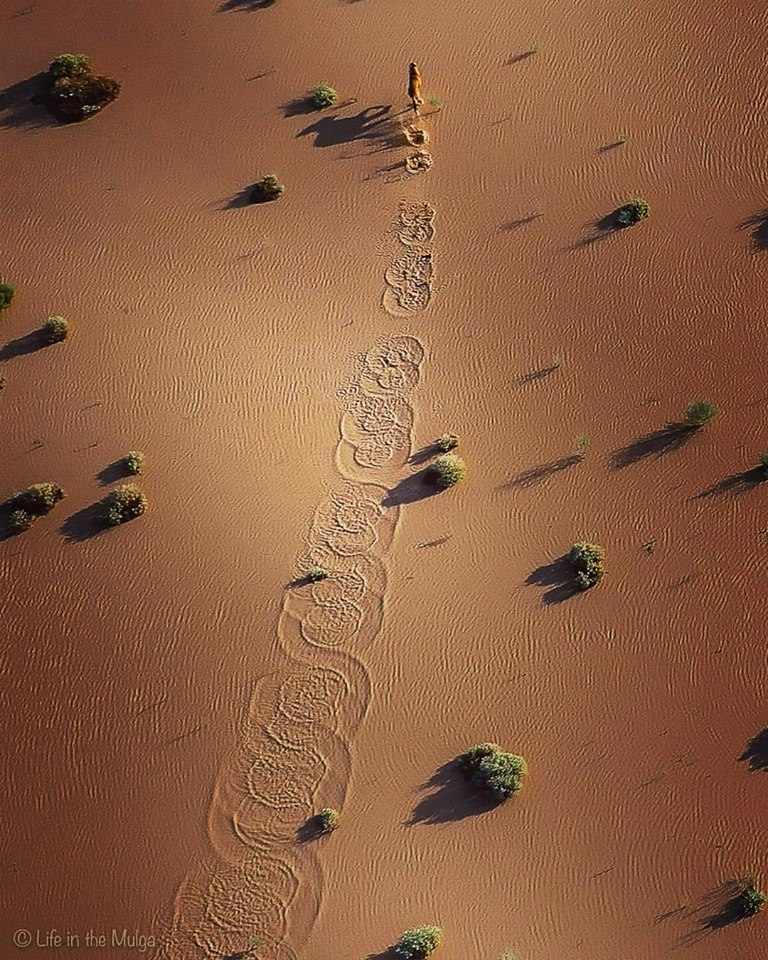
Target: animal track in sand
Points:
(409, 278)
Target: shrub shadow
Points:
(602, 228)
(298, 107)
(84, 524)
(243, 198)
(535, 375)
(310, 830)
(543, 471)
(519, 57)
(520, 222)
(558, 577)
(736, 484)
(417, 486)
(717, 909)
(607, 147)
(23, 104)
(756, 753)
(671, 437)
(113, 472)
(451, 799)
(333, 130)
(425, 454)
(29, 343)
(244, 5)
(757, 224)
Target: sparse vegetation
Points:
(2, 383)
(26, 506)
(122, 504)
(418, 943)
(588, 562)
(316, 573)
(762, 459)
(700, 413)
(20, 520)
(266, 189)
(324, 95)
(447, 470)
(448, 441)
(582, 445)
(7, 292)
(632, 212)
(134, 461)
(435, 102)
(751, 900)
(329, 819)
(55, 329)
(76, 92)
(491, 769)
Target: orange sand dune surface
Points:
(177, 699)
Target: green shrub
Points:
(266, 189)
(699, 413)
(316, 573)
(588, 562)
(418, 943)
(329, 819)
(632, 212)
(448, 441)
(20, 520)
(492, 769)
(134, 461)
(324, 95)
(763, 461)
(751, 901)
(55, 329)
(2, 383)
(448, 470)
(7, 291)
(122, 504)
(36, 500)
(70, 65)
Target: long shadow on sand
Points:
(244, 5)
(542, 472)
(717, 909)
(417, 486)
(22, 104)
(29, 343)
(756, 753)
(425, 454)
(558, 577)
(602, 228)
(333, 130)
(757, 224)
(671, 437)
(243, 198)
(736, 484)
(84, 524)
(298, 107)
(113, 472)
(451, 798)
(535, 376)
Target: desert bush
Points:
(418, 943)
(36, 500)
(329, 819)
(7, 291)
(763, 461)
(316, 573)
(699, 413)
(122, 504)
(588, 562)
(448, 441)
(751, 900)
(69, 65)
(324, 95)
(266, 189)
(55, 329)
(447, 470)
(2, 383)
(134, 461)
(492, 769)
(20, 520)
(632, 212)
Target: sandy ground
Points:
(172, 708)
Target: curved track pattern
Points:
(409, 278)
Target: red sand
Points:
(142, 666)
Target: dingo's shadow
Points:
(333, 130)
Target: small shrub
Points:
(324, 95)
(316, 573)
(582, 445)
(266, 189)
(588, 562)
(632, 212)
(493, 770)
(20, 520)
(69, 65)
(122, 504)
(750, 901)
(699, 413)
(7, 291)
(418, 943)
(329, 819)
(2, 383)
(36, 500)
(435, 102)
(448, 441)
(134, 461)
(763, 461)
(448, 470)
(55, 329)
